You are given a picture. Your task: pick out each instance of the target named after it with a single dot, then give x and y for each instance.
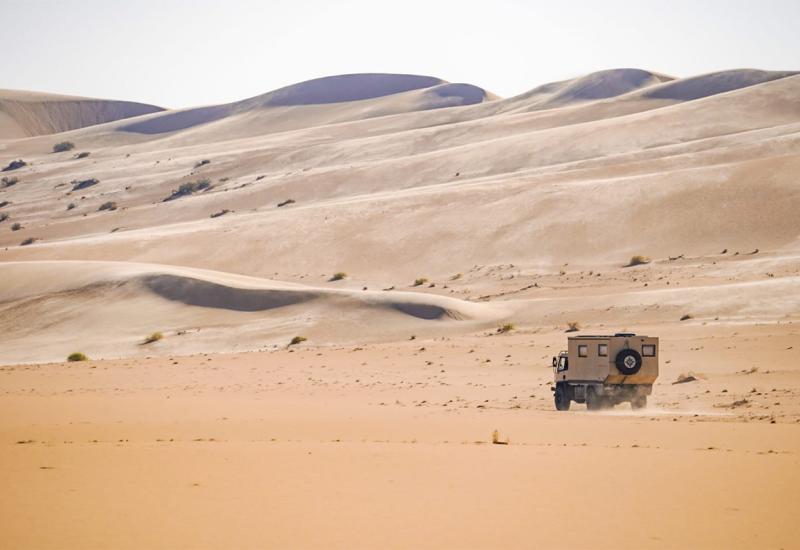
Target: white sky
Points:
(182, 53)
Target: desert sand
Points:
(447, 212)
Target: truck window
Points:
(563, 364)
(648, 350)
(602, 350)
(583, 350)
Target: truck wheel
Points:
(628, 362)
(594, 401)
(561, 397)
(639, 402)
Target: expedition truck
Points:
(603, 371)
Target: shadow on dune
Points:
(195, 292)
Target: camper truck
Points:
(603, 371)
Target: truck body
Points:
(603, 371)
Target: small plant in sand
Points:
(638, 259)
(338, 276)
(83, 184)
(29, 240)
(63, 146)
(573, 326)
(14, 165)
(508, 327)
(8, 182)
(82, 155)
(202, 163)
(496, 439)
(297, 340)
(155, 337)
(3, 216)
(421, 281)
(220, 213)
(16, 226)
(456, 277)
(71, 205)
(686, 317)
(286, 202)
(189, 188)
(77, 356)
(110, 205)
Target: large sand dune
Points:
(108, 308)
(25, 114)
(418, 93)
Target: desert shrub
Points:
(16, 226)
(189, 188)
(82, 155)
(456, 277)
(421, 281)
(287, 201)
(573, 326)
(109, 205)
(71, 205)
(638, 259)
(83, 184)
(220, 213)
(77, 356)
(685, 317)
(8, 182)
(29, 240)
(4, 203)
(338, 276)
(3, 216)
(14, 165)
(496, 439)
(62, 146)
(155, 337)
(202, 163)
(297, 340)
(508, 327)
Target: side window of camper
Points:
(583, 350)
(602, 350)
(563, 364)
(648, 350)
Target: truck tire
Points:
(639, 402)
(594, 400)
(628, 362)
(562, 397)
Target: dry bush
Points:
(155, 337)
(686, 317)
(14, 165)
(110, 205)
(83, 184)
(77, 356)
(638, 259)
(189, 188)
(297, 340)
(573, 326)
(421, 281)
(338, 276)
(16, 226)
(62, 146)
(508, 327)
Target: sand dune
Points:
(108, 308)
(431, 93)
(25, 114)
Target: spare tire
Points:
(628, 362)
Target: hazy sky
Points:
(182, 53)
